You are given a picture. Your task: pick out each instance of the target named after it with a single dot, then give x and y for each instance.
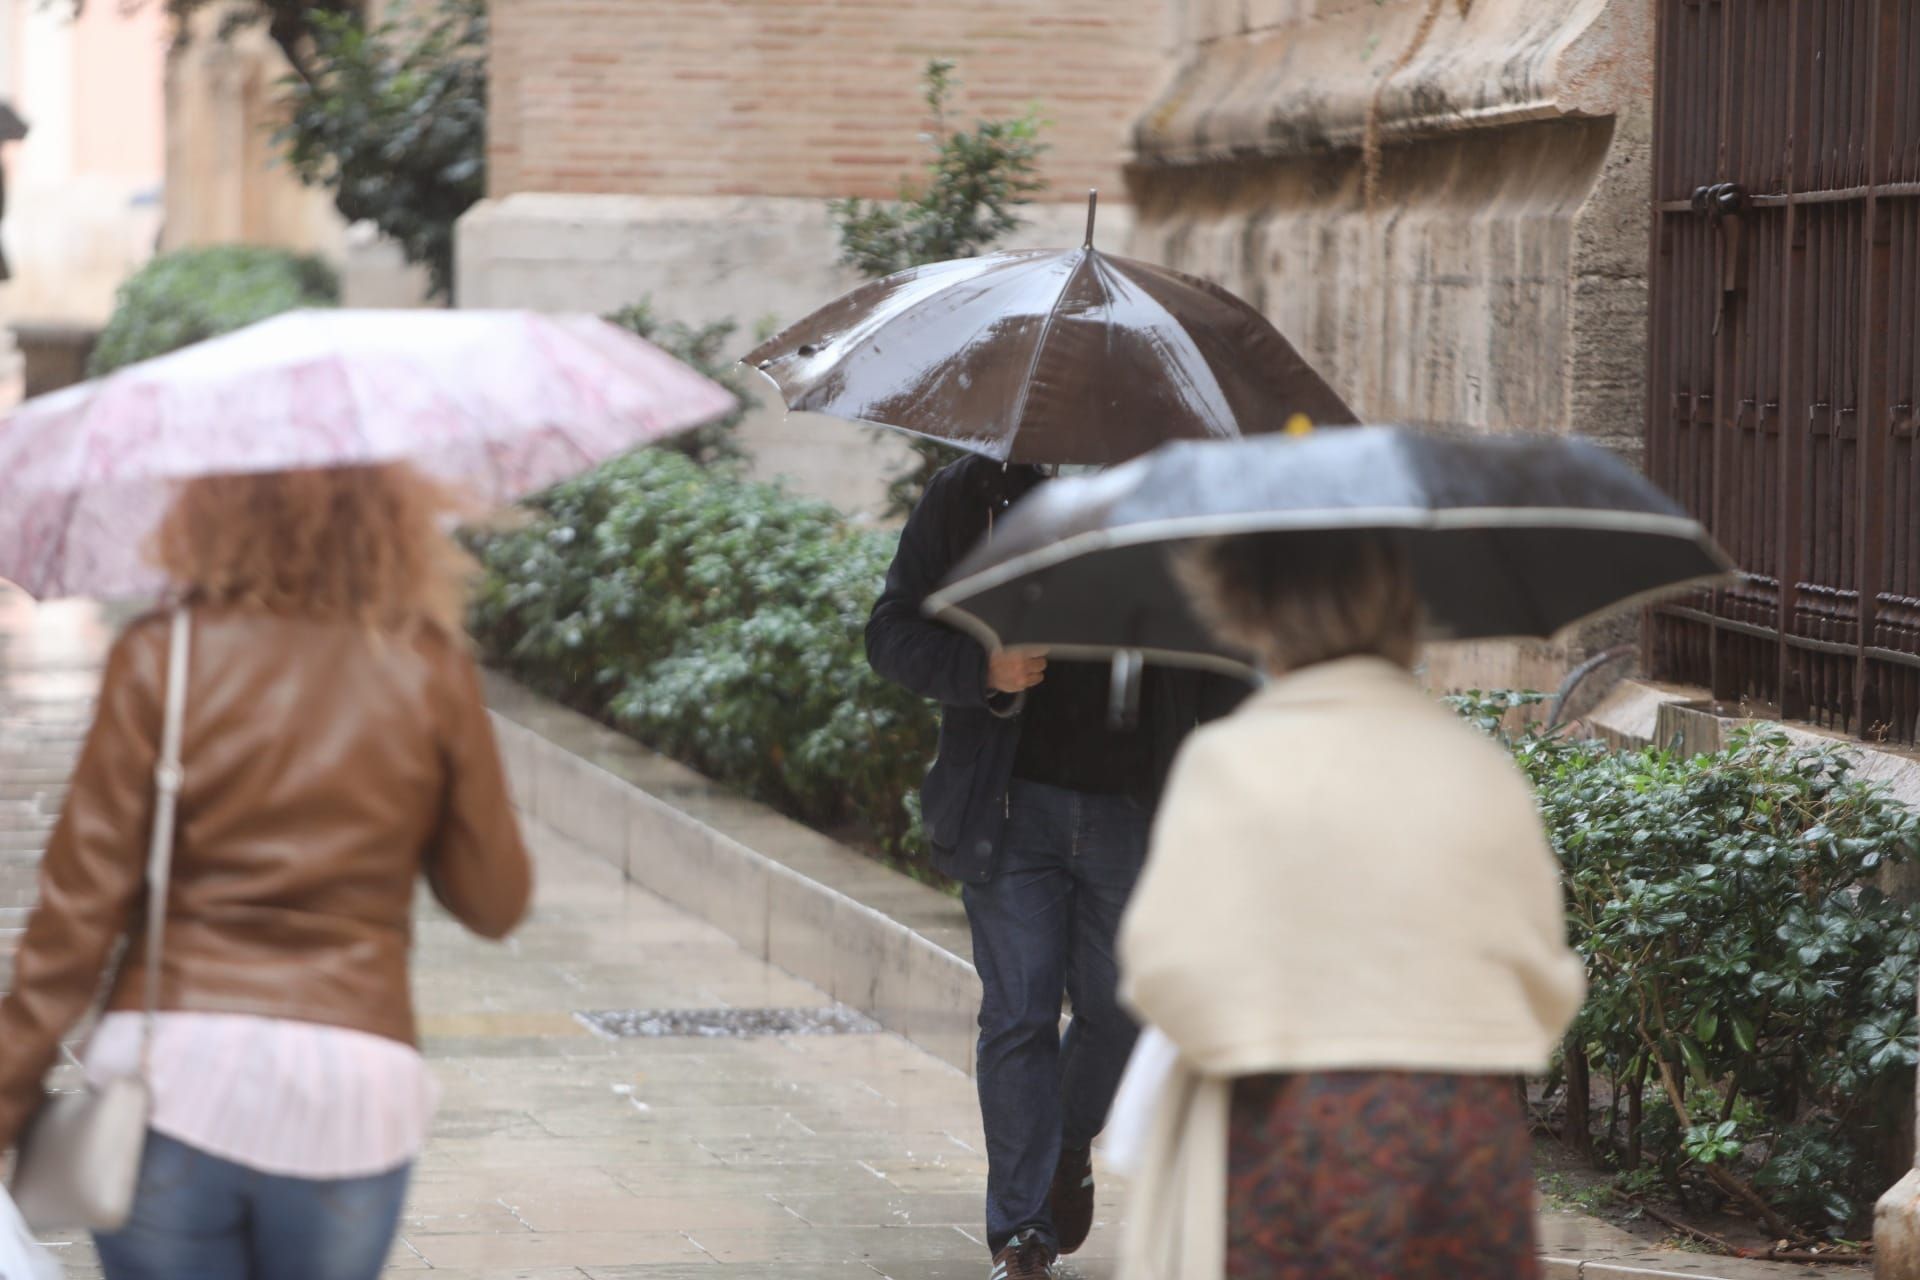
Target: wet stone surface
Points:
(795, 1143)
(641, 1024)
(790, 1144)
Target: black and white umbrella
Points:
(1508, 536)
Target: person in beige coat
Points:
(1348, 940)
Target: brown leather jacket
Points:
(326, 769)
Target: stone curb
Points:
(897, 950)
(1695, 1267)
(874, 939)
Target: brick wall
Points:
(812, 98)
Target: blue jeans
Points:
(196, 1215)
(1044, 924)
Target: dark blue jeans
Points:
(196, 1215)
(1044, 924)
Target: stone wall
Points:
(798, 97)
(1499, 278)
(685, 151)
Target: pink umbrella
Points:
(502, 403)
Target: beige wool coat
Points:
(1343, 876)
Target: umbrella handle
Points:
(1123, 697)
(1575, 678)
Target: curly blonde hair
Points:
(368, 545)
(1297, 599)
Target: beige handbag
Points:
(79, 1159)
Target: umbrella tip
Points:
(1093, 204)
(1299, 425)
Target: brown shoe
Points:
(1071, 1199)
(1026, 1257)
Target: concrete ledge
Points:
(1576, 1247)
(1637, 713)
(897, 950)
(874, 939)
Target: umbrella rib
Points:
(1039, 345)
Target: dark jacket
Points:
(964, 799)
(326, 769)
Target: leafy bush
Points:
(190, 295)
(1752, 989)
(722, 623)
(976, 180)
(704, 348)
(393, 120)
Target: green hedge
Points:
(1750, 1035)
(721, 622)
(191, 295)
(1751, 1020)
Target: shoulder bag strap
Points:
(166, 786)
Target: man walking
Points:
(1041, 807)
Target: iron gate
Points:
(1785, 350)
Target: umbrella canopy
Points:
(500, 403)
(1048, 356)
(12, 127)
(1509, 537)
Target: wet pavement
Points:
(627, 1094)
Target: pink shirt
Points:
(294, 1099)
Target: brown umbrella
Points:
(1048, 356)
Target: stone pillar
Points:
(1498, 280)
(12, 372)
(1896, 1229)
(226, 183)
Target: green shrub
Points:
(1752, 989)
(191, 295)
(706, 348)
(975, 181)
(722, 623)
(392, 119)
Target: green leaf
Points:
(1743, 1032)
(1696, 1060)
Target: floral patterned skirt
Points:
(1371, 1175)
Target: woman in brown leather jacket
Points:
(336, 750)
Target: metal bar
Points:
(1789, 689)
(1809, 644)
(1876, 258)
(1664, 171)
(1720, 674)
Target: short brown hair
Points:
(360, 544)
(1296, 599)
